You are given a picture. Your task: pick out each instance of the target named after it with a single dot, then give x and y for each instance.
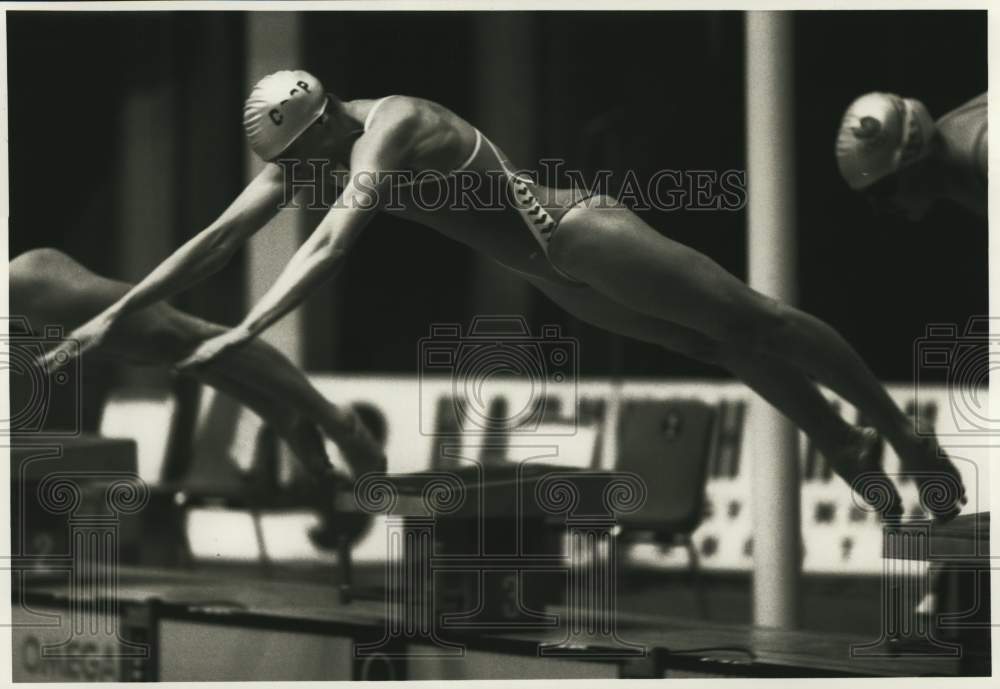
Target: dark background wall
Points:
(73, 77)
(624, 91)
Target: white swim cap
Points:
(880, 134)
(280, 107)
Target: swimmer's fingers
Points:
(209, 350)
(88, 336)
(205, 353)
(59, 356)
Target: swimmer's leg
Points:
(614, 251)
(848, 449)
(287, 385)
(49, 288)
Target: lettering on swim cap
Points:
(275, 114)
(870, 128)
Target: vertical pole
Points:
(772, 265)
(274, 42)
(507, 112)
(147, 198)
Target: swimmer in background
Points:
(891, 150)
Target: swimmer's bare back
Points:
(461, 185)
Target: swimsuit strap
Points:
(472, 156)
(371, 113)
(499, 157)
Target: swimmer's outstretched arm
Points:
(322, 255)
(202, 255)
(319, 258)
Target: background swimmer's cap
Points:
(280, 107)
(880, 134)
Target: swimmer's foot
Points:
(335, 529)
(942, 493)
(306, 442)
(362, 452)
(859, 463)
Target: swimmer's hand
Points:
(88, 336)
(212, 348)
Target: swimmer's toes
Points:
(306, 442)
(878, 491)
(860, 464)
(942, 492)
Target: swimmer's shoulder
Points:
(965, 131)
(424, 114)
(974, 110)
(388, 111)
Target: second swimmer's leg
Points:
(614, 251)
(851, 451)
(289, 386)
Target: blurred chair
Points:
(147, 415)
(667, 444)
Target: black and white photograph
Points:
(368, 341)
